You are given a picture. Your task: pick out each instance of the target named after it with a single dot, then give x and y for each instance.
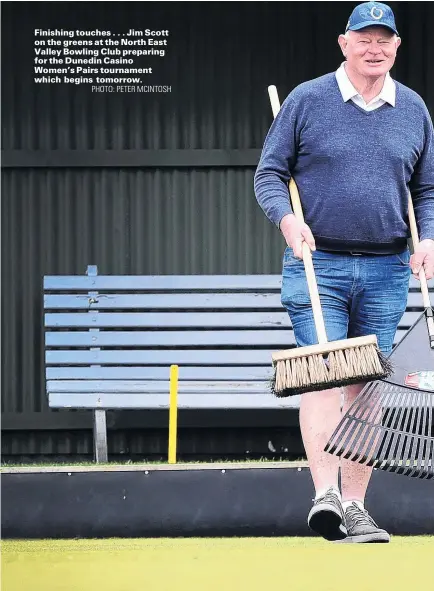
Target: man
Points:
(354, 141)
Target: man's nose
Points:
(374, 49)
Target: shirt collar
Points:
(387, 94)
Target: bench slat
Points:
(144, 386)
(271, 338)
(179, 320)
(167, 357)
(161, 357)
(168, 338)
(188, 400)
(169, 282)
(178, 301)
(159, 400)
(160, 282)
(239, 373)
(161, 301)
(158, 320)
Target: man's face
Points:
(371, 51)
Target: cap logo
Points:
(377, 15)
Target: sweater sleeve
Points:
(422, 184)
(277, 160)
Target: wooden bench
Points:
(110, 341)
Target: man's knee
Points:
(352, 391)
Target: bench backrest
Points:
(120, 327)
(216, 327)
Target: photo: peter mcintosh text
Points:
(118, 88)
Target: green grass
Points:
(138, 463)
(221, 564)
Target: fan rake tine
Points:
(430, 433)
(430, 439)
(378, 452)
(369, 429)
(414, 446)
(408, 444)
(421, 460)
(391, 442)
(407, 436)
(363, 414)
(420, 431)
(335, 443)
(403, 439)
(411, 464)
(372, 432)
(430, 471)
(348, 427)
(422, 469)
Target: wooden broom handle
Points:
(307, 255)
(422, 277)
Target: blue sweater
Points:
(352, 167)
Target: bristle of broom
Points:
(342, 367)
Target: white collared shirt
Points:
(387, 94)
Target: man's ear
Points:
(398, 42)
(343, 42)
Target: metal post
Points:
(100, 436)
(99, 415)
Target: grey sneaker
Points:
(362, 529)
(326, 517)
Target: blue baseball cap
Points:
(370, 14)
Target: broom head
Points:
(334, 364)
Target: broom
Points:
(327, 364)
(390, 424)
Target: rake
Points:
(390, 424)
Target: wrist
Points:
(286, 221)
(427, 242)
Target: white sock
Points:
(347, 504)
(322, 491)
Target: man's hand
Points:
(295, 233)
(423, 257)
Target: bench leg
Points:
(100, 436)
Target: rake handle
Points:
(307, 255)
(422, 276)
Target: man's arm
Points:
(422, 185)
(422, 191)
(272, 177)
(277, 160)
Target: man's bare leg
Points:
(354, 476)
(319, 415)
(354, 480)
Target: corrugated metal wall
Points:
(58, 222)
(220, 59)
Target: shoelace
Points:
(359, 516)
(329, 497)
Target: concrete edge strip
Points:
(154, 467)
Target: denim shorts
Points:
(360, 295)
